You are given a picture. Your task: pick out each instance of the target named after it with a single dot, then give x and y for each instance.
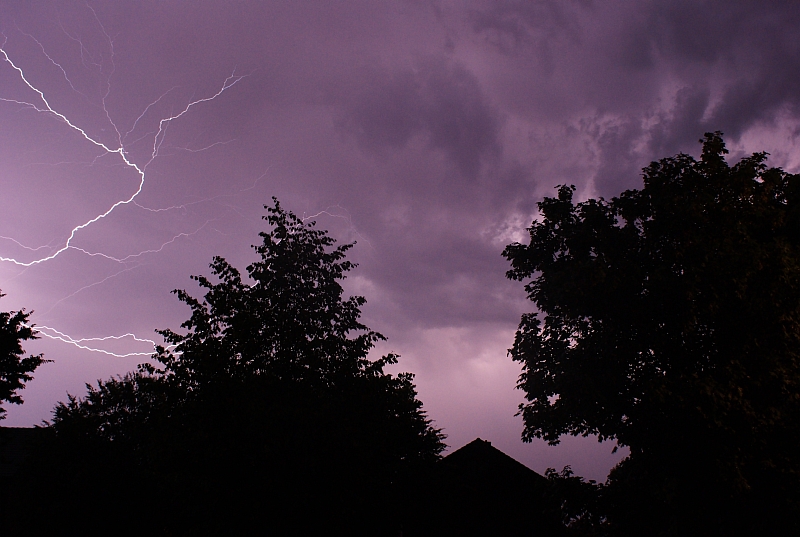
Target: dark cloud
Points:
(436, 99)
(741, 58)
(426, 131)
(517, 25)
(750, 53)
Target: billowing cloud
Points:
(425, 131)
(440, 101)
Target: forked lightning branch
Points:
(38, 102)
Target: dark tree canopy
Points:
(670, 322)
(290, 323)
(15, 367)
(265, 415)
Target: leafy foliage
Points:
(15, 368)
(578, 501)
(269, 396)
(672, 325)
(291, 324)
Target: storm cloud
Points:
(424, 131)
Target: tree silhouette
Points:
(672, 325)
(15, 368)
(265, 415)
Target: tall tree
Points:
(15, 367)
(267, 411)
(671, 324)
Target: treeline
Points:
(668, 320)
(265, 416)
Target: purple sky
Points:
(426, 131)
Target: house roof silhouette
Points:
(479, 490)
(487, 465)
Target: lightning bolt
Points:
(52, 333)
(121, 150)
(31, 248)
(143, 252)
(60, 67)
(85, 287)
(347, 217)
(158, 139)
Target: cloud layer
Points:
(425, 131)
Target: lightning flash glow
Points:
(39, 103)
